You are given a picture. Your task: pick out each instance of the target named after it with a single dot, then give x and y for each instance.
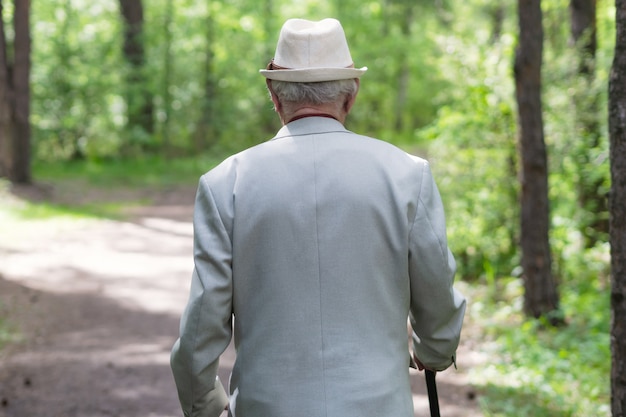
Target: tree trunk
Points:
(404, 70)
(268, 121)
(139, 97)
(541, 296)
(591, 195)
(15, 97)
(583, 29)
(167, 77)
(5, 100)
(617, 133)
(205, 135)
(497, 14)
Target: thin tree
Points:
(584, 33)
(139, 96)
(205, 135)
(404, 71)
(402, 13)
(541, 295)
(591, 195)
(15, 150)
(267, 117)
(167, 75)
(617, 206)
(496, 12)
(5, 101)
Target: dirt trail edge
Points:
(96, 305)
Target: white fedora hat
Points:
(311, 52)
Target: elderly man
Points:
(315, 247)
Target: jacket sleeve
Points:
(205, 327)
(437, 309)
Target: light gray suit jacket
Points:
(315, 247)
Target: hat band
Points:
(272, 66)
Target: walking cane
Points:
(431, 387)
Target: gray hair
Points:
(314, 93)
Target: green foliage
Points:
(101, 189)
(472, 148)
(533, 369)
(145, 171)
(47, 211)
(77, 106)
(15, 210)
(80, 94)
(575, 117)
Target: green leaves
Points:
(533, 369)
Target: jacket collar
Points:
(310, 125)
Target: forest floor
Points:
(94, 305)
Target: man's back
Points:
(320, 222)
(318, 244)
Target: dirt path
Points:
(97, 304)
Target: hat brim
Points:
(312, 75)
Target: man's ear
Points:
(277, 105)
(350, 100)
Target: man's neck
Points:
(302, 116)
(314, 111)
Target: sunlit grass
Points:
(141, 171)
(537, 370)
(43, 211)
(103, 176)
(14, 210)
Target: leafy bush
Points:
(537, 370)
